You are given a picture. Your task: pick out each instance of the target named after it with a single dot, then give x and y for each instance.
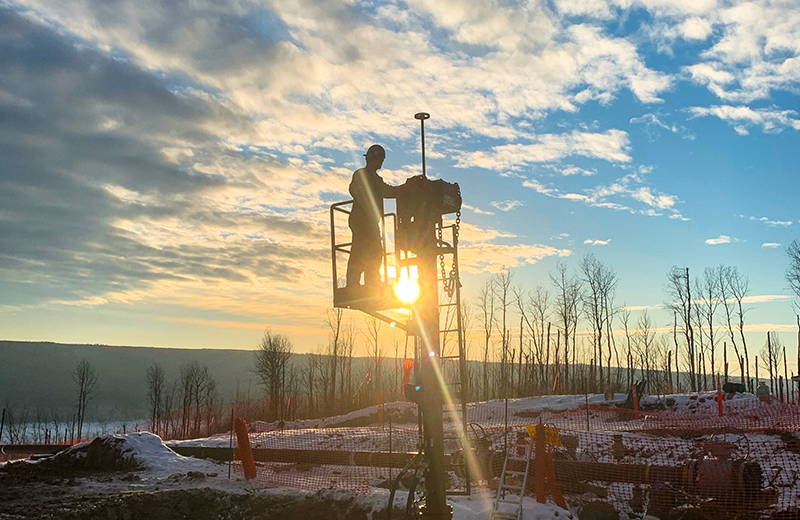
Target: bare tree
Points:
(739, 286)
(535, 311)
(726, 300)
(333, 320)
(85, 377)
(600, 281)
(793, 271)
(698, 322)
(771, 354)
(348, 345)
(372, 328)
(16, 424)
(467, 315)
(171, 393)
(644, 342)
(679, 291)
(271, 357)
(156, 383)
(188, 375)
(710, 294)
(313, 364)
(568, 298)
(503, 296)
(626, 316)
(485, 304)
(202, 390)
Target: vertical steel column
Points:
(436, 506)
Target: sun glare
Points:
(407, 290)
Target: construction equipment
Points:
(417, 250)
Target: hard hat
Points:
(374, 150)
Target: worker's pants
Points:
(365, 257)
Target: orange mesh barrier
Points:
(679, 458)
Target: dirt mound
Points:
(102, 454)
(108, 453)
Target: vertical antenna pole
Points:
(422, 116)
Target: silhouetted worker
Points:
(368, 191)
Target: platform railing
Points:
(345, 247)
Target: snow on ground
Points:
(329, 432)
(553, 402)
(163, 469)
(149, 450)
(356, 431)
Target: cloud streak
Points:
(722, 239)
(742, 117)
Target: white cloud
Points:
(506, 205)
(764, 298)
(773, 223)
(661, 201)
(771, 245)
(574, 170)
(479, 251)
(722, 239)
(756, 52)
(613, 196)
(770, 327)
(653, 121)
(493, 258)
(611, 145)
(642, 307)
(591, 242)
(477, 211)
(308, 82)
(769, 119)
(695, 28)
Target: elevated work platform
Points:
(366, 299)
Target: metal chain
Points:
(441, 261)
(449, 282)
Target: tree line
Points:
(19, 425)
(570, 335)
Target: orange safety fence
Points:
(678, 456)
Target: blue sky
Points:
(167, 168)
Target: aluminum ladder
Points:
(504, 489)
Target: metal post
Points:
(230, 445)
(436, 506)
(422, 116)
(505, 424)
(539, 476)
(586, 396)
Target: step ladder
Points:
(506, 490)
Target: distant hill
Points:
(40, 374)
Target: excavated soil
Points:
(49, 501)
(102, 454)
(103, 480)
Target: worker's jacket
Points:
(368, 191)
